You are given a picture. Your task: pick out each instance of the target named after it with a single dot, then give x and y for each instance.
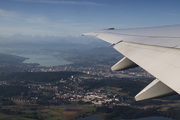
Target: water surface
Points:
(44, 60)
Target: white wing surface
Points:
(156, 49)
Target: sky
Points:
(74, 17)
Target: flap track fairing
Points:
(124, 64)
(155, 89)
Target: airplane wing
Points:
(155, 49)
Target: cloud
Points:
(42, 20)
(13, 22)
(5, 13)
(171, 14)
(18, 17)
(62, 2)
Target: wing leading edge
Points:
(154, 49)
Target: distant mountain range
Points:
(19, 43)
(16, 38)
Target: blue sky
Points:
(73, 17)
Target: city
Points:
(39, 89)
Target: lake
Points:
(44, 60)
(149, 118)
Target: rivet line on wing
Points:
(115, 43)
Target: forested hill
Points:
(128, 85)
(38, 76)
(10, 59)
